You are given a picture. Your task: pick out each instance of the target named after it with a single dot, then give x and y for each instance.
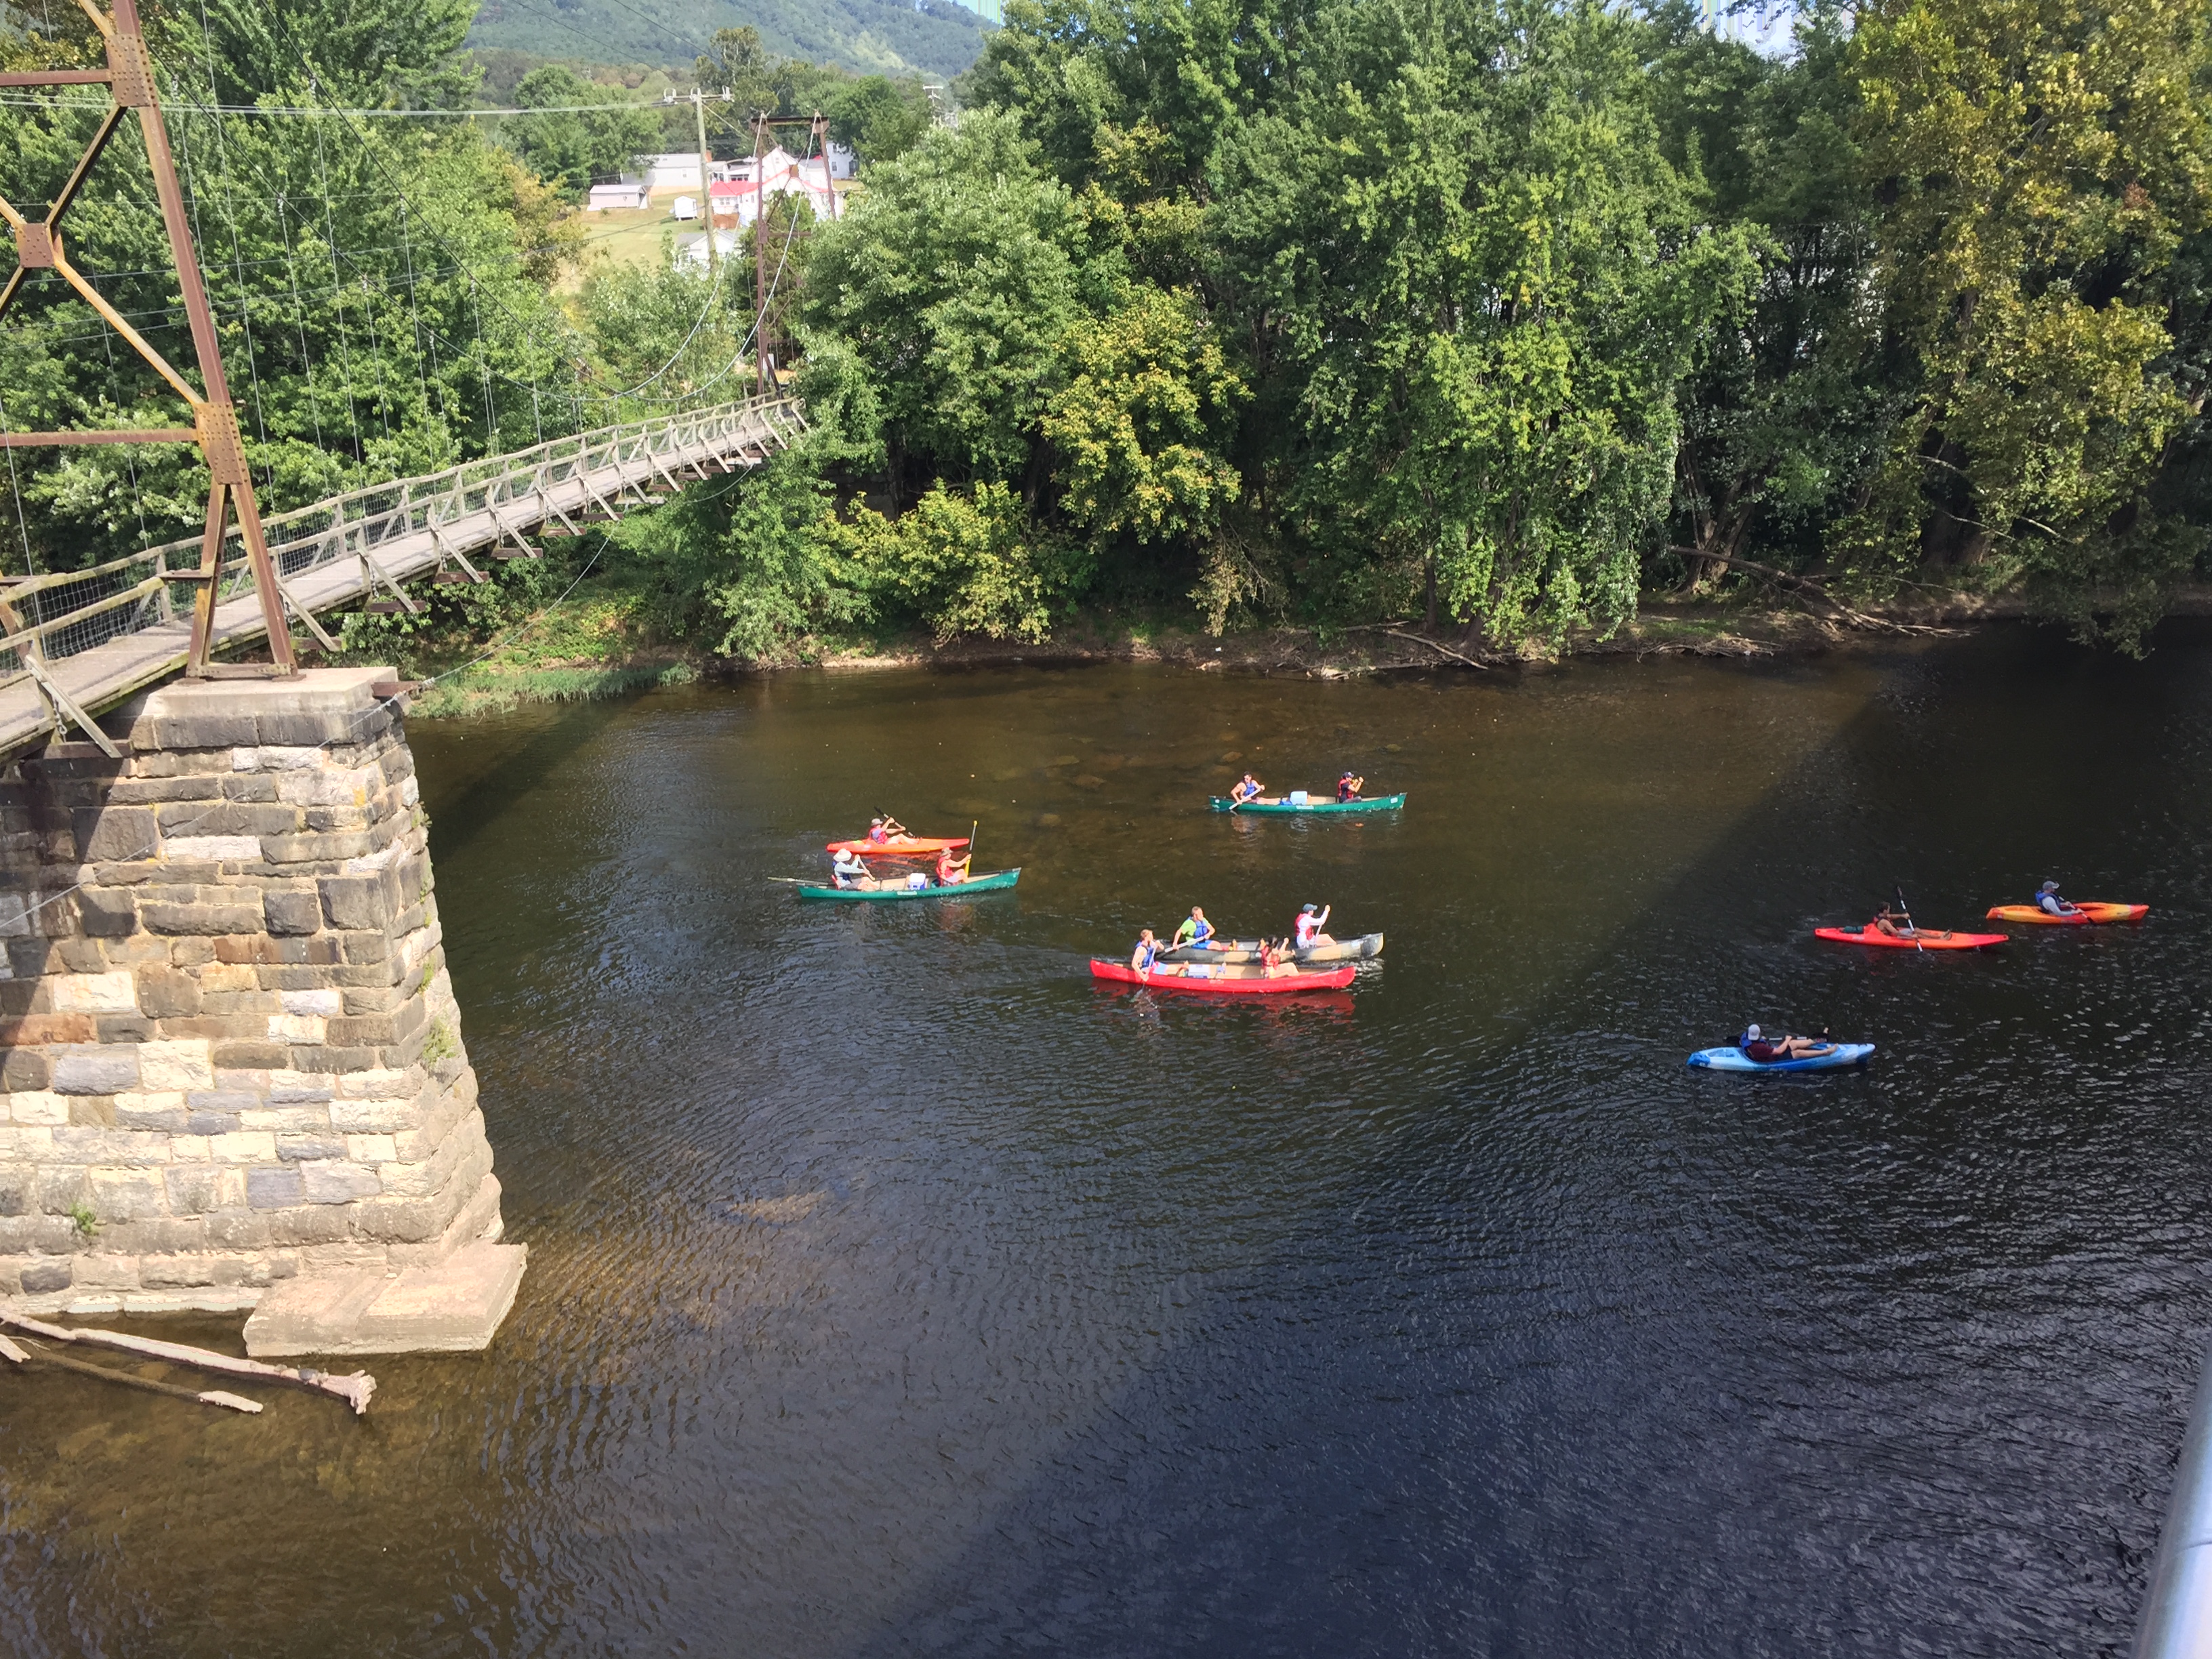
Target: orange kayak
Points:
(2086, 915)
(1926, 939)
(899, 846)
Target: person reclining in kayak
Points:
(1764, 1050)
(2050, 903)
(848, 869)
(1348, 788)
(1196, 930)
(951, 871)
(1247, 790)
(1307, 929)
(1887, 922)
(1145, 958)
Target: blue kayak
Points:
(1735, 1060)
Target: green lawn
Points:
(630, 236)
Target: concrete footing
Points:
(453, 1308)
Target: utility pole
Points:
(765, 373)
(706, 183)
(129, 78)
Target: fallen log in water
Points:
(354, 1389)
(83, 1368)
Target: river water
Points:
(894, 1290)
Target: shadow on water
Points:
(1813, 1365)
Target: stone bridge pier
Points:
(233, 1063)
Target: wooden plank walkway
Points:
(97, 636)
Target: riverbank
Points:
(602, 643)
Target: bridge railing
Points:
(68, 612)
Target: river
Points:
(894, 1290)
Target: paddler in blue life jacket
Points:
(1196, 930)
(2050, 903)
(1247, 790)
(848, 869)
(1145, 958)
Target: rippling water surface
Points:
(894, 1290)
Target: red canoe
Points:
(1218, 980)
(899, 846)
(1927, 939)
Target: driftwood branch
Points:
(355, 1389)
(1419, 639)
(147, 1384)
(1817, 587)
(9, 1351)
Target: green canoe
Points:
(997, 882)
(1372, 803)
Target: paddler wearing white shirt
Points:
(1307, 929)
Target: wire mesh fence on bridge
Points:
(66, 614)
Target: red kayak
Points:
(1923, 938)
(2090, 912)
(1222, 981)
(900, 846)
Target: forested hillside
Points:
(937, 37)
(1492, 315)
(1499, 314)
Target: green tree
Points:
(1486, 283)
(2043, 161)
(573, 144)
(1782, 415)
(879, 120)
(953, 282)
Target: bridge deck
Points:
(98, 636)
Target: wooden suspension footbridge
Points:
(78, 643)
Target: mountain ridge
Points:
(937, 38)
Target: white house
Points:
(675, 170)
(691, 251)
(630, 192)
(736, 199)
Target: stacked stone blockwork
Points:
(232, 1056)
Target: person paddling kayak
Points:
(2048, 901)
(880, 830)
(1307, 929)
(1886, 921)
(1196, 930)
(1765, 1050)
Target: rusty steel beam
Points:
(166, 434)
(129, 78)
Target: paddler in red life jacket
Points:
(1348, 788)
(1307, 929)
(951, 871)
(880, 830)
